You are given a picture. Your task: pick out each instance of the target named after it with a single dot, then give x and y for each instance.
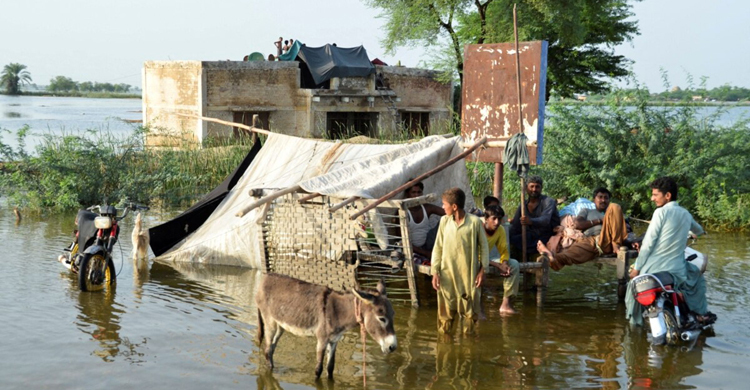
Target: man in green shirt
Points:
(459, 259)
(663, 249)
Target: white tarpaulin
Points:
(329, 168)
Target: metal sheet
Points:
(490, 98)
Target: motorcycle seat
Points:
(86, 229)
(644, 284)
(665, 278)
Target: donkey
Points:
(306, 309)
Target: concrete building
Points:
(387, 101)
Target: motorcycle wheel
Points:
(673, 329)
(95, 272)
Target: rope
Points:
(361, 322)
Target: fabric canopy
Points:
(330, 168)
(332, 61)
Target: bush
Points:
(73, 170)
(626, 144)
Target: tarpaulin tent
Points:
(331, 61)
(168, 234)
(329, 168)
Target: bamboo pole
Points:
(520, 129)
(267, 199)
(223, 122)
(494, 144)
(308, 197)
(421, 177)
(342, 204)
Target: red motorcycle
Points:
(666, 311)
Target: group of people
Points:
(458, 248)
(282, 46)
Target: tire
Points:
(673, 329)
(95, 272)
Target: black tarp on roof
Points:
(168, 234)
(331, 61)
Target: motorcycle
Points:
(90, 253)
(667, 313)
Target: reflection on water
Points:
(193, 327)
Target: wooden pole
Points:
(267, 199)
(228, 123)
(497, 190)
(342, 204)
(520, 129)
(420, 178)
(256, 119)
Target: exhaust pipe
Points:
(690, 335)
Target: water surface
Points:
(193, 327)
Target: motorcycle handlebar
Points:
(128, 206)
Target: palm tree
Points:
(14, 74)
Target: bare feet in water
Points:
(546, 252)
(506, 308)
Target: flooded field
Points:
(193, 327)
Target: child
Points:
(508, 267)
(459, 259)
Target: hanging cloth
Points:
(516, 155)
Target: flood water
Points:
(68, 115)
(193, 327)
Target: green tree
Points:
(581, 34)
(86, 86)
(13, 76)
(62, 84)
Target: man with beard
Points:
(540, 219)
(604, 230)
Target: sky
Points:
(108, 41)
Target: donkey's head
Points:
(377, 313)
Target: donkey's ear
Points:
(363, 296)
(381, 288)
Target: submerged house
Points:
(324, 92)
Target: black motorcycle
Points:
(90, 254)
(665, 310)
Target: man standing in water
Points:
(663, 249)
(459, 259)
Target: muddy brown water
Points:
(193, 327)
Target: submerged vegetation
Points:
(73, 170)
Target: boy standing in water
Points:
(459, 259)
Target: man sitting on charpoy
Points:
(604, 231)
(541, 218)
(421, 236)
